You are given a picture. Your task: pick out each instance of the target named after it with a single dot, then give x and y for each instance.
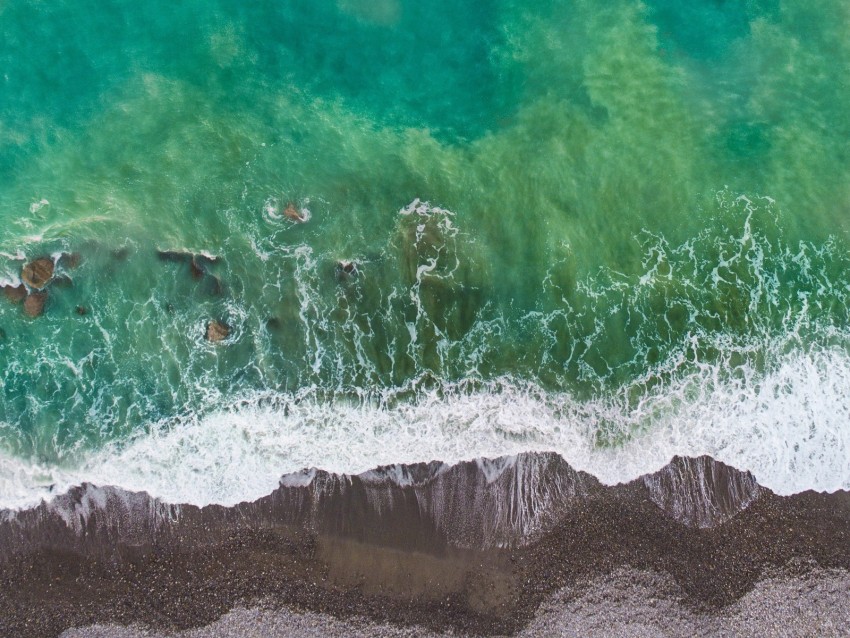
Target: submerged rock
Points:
(213, 286)
(34, 304)
(81, 310)
(173, 255)
(185, 256)
(15, 294)
(62, 281)
(196, 269)
(217, 331)
(346, 268)
(70, 260)
(38, 273)
(197, 263)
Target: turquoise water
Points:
(623, 208)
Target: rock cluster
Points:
(36, 276)
(198, 264)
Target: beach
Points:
(695, 545)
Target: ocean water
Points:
(617, 230)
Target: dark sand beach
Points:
(521, 545)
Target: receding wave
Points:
(787, 426)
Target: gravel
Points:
(625, 604)
(633, 604)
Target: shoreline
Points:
(475, 548)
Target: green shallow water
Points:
(616, 192)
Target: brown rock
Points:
(38, 273)
(217, 331)
(15, 294)
(34, 304)
(293, 213)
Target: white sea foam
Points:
(791, 427)
(9, 278)
(271, 210)
(37, 206)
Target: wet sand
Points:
(522, 544)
